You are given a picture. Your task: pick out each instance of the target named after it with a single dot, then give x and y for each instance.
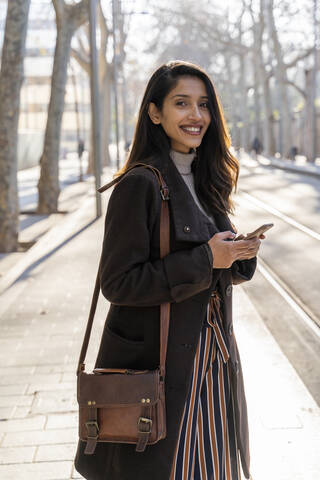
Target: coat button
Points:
(186, 229)
(231, 330)
(229, 290)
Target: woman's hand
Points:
(225, 252)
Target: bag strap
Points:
(164, 250)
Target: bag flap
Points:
(117, 389)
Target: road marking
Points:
(278, 214)
(298, 306)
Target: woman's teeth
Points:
(191, 130)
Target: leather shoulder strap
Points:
(164, 250)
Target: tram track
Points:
(277, 213)
(310, 319)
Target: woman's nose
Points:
(195, 112)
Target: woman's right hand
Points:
(225, 252)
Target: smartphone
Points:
(263, 228)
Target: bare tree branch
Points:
(82, 59)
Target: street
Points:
(289, 259)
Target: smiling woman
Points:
(185, 114)
(181, 132)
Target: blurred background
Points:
(71, 81)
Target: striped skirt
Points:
(207, 446)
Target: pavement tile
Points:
(48, 453)
(18, 425)
(16, 389)
(68, 367)
(51, 402)
(16, 371)
(65, 420)
(47, 387)
(27, 378)
(6, 412)
(69, 376)
(40, 437)
(36, 471)
(13, 400)
(21, 412)
(16, 455)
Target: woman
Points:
(181, 131)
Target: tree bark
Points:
(282, 79)
(105, 83)
(69, 18)
(11, 77)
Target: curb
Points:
(310, 170)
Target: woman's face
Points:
(185, 116)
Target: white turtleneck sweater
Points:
(183, 163)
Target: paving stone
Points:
(47, 453)
(18, 371)
(36, 471)
(47, 387)
(40, 437)
(51, 402)
(13, 400)
(16, 455)
(30, 378)
(6, 412)
(19, 389)
(65, 420)
(21, 412)
(17, 425)
(69, 376)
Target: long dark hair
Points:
(215, 169)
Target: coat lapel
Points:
(189, 223)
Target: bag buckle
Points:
(164, 191)
(146, 422)
(95, 429)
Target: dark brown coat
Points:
(135, 280)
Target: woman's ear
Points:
(154, 113)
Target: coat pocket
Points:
(117, 351)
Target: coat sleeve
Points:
(243, 270)
(127, 274)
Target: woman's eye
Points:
(183, 103)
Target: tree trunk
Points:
(48, 184)
(69, 18)
(268, 135)
(281, 77)
(11, 77)
(244, 132)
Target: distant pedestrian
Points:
(293, 152)
(80, 147)
(256, 146)
(182, 132)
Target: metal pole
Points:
(115, 79)
(76, 111)
(95, 110)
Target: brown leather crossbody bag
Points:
(123, 405)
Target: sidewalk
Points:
(42, 323)
(298, 166)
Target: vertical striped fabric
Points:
(206, 448)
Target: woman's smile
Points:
(185, 114)
(189, 130)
